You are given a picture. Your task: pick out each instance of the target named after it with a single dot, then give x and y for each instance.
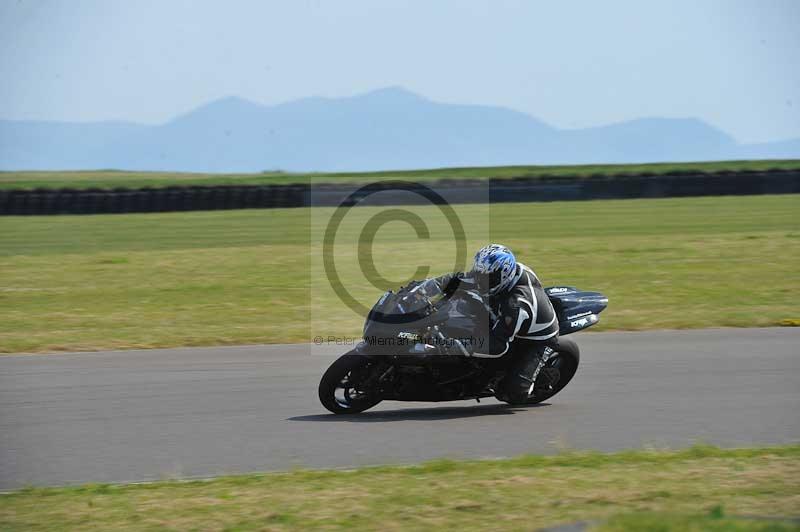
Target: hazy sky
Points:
(732, 63)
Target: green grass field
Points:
(236, 277)
(703, 488)
(107, 179)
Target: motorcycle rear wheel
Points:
(554, 376)
(339, 388)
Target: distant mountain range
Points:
(389, 128)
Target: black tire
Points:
(336, 378)
(554, 376)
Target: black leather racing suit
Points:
(522, 312)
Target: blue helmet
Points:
(494, 269)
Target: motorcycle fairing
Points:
(576, 309)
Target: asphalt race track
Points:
(141, 415)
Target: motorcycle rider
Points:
(517, 305)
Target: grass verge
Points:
(634, 489)
(238, 277)
(108, 179)
(713, 521)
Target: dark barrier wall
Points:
(70, 201)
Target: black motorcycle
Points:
(415, 349)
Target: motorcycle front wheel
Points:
(341, 388)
